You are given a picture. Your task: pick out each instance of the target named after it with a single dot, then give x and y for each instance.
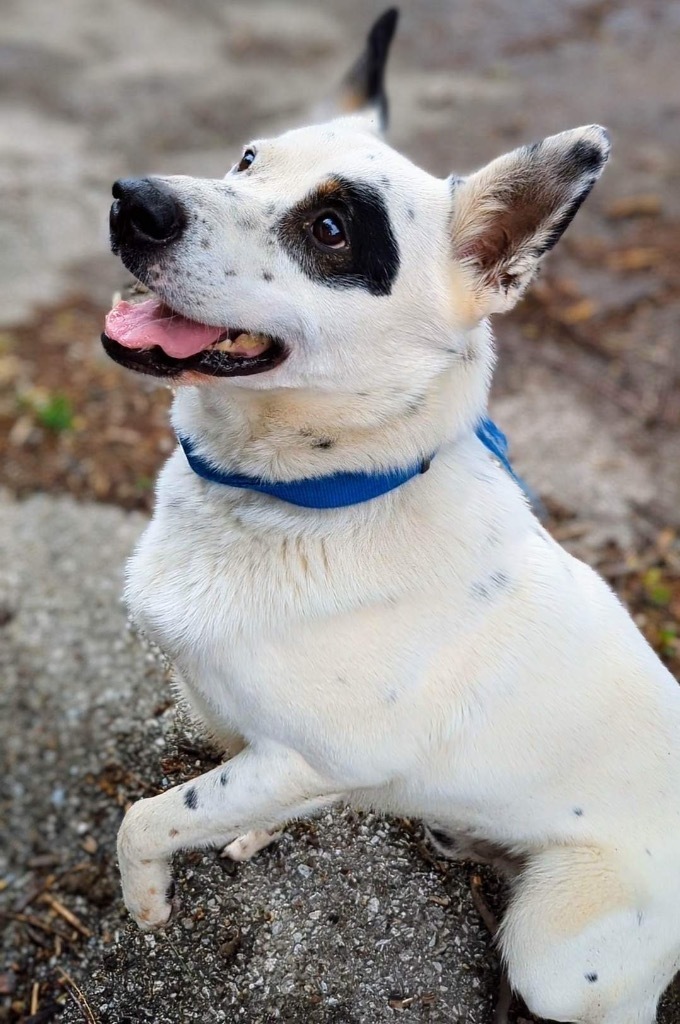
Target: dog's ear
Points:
(362, 90)
(506, 216)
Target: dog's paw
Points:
(149, 895)
(248, 845)
(148, 887)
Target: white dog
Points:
(354, 591)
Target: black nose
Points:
(144, 212)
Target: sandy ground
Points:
(344, 921)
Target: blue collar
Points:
(339, 489)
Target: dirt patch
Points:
(605, 313)
(70, 419)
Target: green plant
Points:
(55, 413)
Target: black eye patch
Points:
(371, 258)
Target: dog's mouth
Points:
(152, 338)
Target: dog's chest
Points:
(212, 592)
(301, 639)
(217, 598)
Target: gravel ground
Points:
(343, 917)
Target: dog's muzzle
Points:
(152, 336)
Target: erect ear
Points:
(506, 216)
(362, 90)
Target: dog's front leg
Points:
(262, 787)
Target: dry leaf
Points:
(644, 205)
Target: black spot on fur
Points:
(587, 156)
(444, 839)
(266, 276)
(410, 213)
(371, 259)
(415, 404)
(592, 977)
(170, 891)
(191, 798)
(317, 442)
(578, 811)
(229, 273)
(495, 583)
(246, 222)
(224, 776)
(640, 917)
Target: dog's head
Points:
(324, 259)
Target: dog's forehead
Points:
(299, 160)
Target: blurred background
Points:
(590, 364)
(588, 379)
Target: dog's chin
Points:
(211, 362)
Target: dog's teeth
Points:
(251, 342)
(244, 344)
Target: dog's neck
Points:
(292, 434)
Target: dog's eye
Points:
(246, 160)
(329, 231)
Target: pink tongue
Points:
(150, 323)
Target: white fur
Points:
(431, 653)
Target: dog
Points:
(357, 596)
